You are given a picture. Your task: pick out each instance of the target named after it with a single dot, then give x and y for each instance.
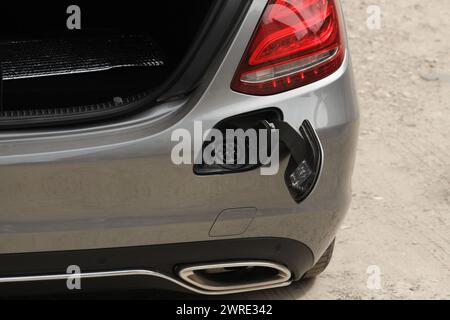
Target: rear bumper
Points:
(143, 213)
(112, 188)
(153, 266)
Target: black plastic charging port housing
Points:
(252, 120)
(303, 146)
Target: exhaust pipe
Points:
(235, 277)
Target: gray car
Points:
(94, 102)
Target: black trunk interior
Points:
(122, 52)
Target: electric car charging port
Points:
(235, 145)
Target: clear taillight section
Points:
(296, 42)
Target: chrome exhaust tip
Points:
(236, 277)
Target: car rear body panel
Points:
(114, 185)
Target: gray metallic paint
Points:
(114, 185)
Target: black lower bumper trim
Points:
(165, 259)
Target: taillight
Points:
(296, 42)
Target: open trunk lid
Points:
(113, 60)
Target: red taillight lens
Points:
(296, 42)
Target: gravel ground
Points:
(400, 216)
